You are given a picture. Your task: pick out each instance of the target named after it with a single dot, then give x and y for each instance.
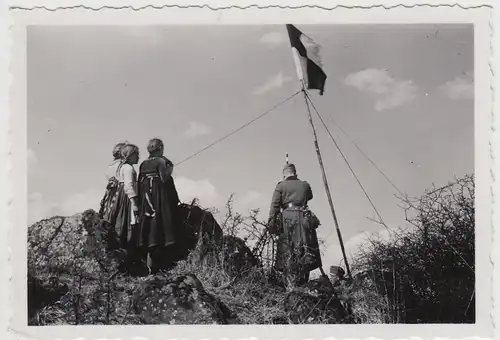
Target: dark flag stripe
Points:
(294, 35)
(316, 78)
(307, 59)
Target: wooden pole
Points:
(316, 146)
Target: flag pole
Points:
(329, 196)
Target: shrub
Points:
(426, 273)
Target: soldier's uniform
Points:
(290, 219)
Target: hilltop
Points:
(422, 275)
(74, 277)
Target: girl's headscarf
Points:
(117, 150)
(128, 150)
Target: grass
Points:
(424, 274)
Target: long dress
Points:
(125, 221)
(157, 200)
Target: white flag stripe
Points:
(313, 49)
(300, 65)
(306, 55)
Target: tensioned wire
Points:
(239, 129)
(342, 154)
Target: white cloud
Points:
(249, 200)
(79, 202)
(272, 83)
(201, 189)
(459, 88)
(197, 129)
(250, 197)
(362, 240)
(388, 91)
(333, 253)
(273, 38)
(40, 208)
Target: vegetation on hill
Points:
(426, 273)
(422, 274)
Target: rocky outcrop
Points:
(79, 245)
(238, 258)
(42, 293)
(157, 299)
(181, 300)
(75, 276)
(199, 229)
(78, 253)
(317, 303)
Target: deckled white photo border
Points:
(480, 16)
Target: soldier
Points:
(295, 225)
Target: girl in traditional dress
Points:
(127, 205)
(158, 201)
(107, 211)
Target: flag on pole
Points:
(307, 59)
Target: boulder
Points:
(43, 292)
(238, 258)
(317, 303)
(181, 300)
(73, 258)
(79, 245)
(75, 277)
(126, 300)
(198, 228)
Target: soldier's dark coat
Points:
(291, 190)
(298, 249)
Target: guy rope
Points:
(311, 76)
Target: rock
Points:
(42, 293)
(316, 304)
(75, 276)
(71, 261)
(238, 258)
(199, 228)
(181, 300)
(83, 244)
(157, 299)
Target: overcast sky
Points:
(403, 93)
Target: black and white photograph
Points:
(252, 174)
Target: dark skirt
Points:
(298, 246)
(107, 209)
(157, 219)
(123, 227)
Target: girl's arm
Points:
(129, 180)
(165, 169)
(309, 193)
